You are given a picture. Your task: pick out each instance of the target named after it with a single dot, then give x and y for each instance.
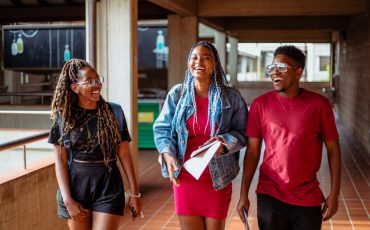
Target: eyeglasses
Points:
(92, 82)
(281, 67)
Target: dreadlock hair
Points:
(292, 52)
(65, 102)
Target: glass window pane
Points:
(254, 57)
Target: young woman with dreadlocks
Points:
(202, 109)
(90, 193)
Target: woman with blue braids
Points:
(201, 109)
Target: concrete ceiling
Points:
(247, 20)
(271, 20)
(15, 11)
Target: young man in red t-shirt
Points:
(293, 123)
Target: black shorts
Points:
(95, 188)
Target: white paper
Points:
(202, 148)
(196, 164)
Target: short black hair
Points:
(292, 52)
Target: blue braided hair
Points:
(216, 92)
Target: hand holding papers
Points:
(200, 158)
(202, 148)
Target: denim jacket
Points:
(232, 124)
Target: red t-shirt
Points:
(293, 130)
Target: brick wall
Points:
(28, 202)
(354, 78)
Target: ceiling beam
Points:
(284, 36)
(42, 2)
(148, 10)
(16, 2)
(181, 7)
(42, 14)
(287, 23)
(215, 23)
(222, 8)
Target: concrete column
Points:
(233, 61)
(12, 79)
(243, 67)
(2, 76)
(220, 41)
(368, 94)
(117, 58)
(182, 34)
(310, 63)
(91, 32)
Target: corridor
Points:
(354, 200)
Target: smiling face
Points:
(286, 82)
(201, 64)
(87, 93)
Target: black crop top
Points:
(84, 140)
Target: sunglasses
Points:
(92, 82)
(280, 67)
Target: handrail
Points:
(24, 112)
(21, 94)
(27, 94)
(23, 141)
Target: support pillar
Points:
(91, 32)
(220, 41)
(13, 80)
(233, 61)
(182, 35)
(117, 59)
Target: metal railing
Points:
(21, 94)
(24, 141)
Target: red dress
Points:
(198, 197)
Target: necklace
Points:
(199, 108)
(83, 135)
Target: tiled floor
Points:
(354, 207)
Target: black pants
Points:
(273, 214)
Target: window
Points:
(324, 63)
(254, 57)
